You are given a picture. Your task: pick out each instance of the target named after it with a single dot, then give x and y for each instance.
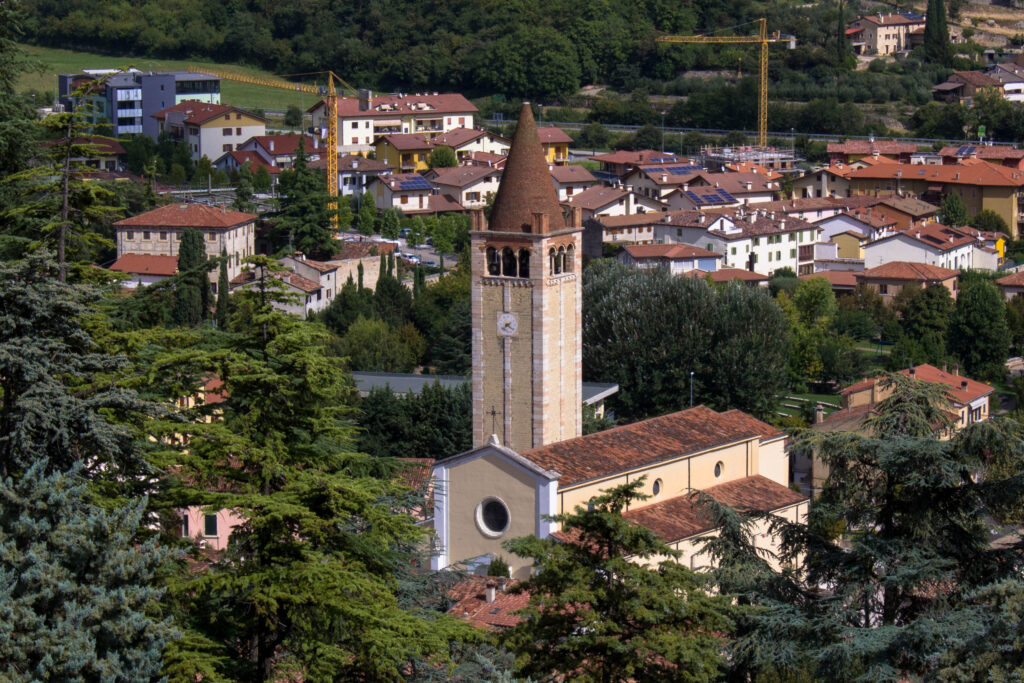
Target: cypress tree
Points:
(192, 295)
(383, 271)
(937, 47)
(222, 291)
(359, 270)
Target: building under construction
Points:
(780, 160)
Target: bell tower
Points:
(526, 306)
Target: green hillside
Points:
(53, 61)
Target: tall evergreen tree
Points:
(308, 586)
(304, 221)
(978, 333)
(244, 189)
(598, 613)
(76, 589)
(192, 295)
(953, 212)
(937, 47)
(367, 215)
(901, 581)
(222, 292)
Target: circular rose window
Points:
(492, 517)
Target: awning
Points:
(388, 122)
(935, 188)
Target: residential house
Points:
(732, 189)
(816, 209)
(209, 130)
(833, 181)
(979, 184)
(968, 404)
(468, 141)
(406, 152)
(615, 165)
(602, 200)
(962, 86)
(405, 191)
(570, 180)
(467, 185)
(934, 244)
(890, 278)
(93, 151)
(849, 244)
(303, 295)
(841, 281)
(1002, 155)
(725, 276)
(496, 161)
(1012, 284)
(884, 34)
(145, 269)
(363, 256)
(129, 99)
(906, 212)
(363, 119)
(280, 150)
(1011, 77)
(158, 232)
(354, 172)
(675, 258)
(232, 161)
(555, 143)
(855, 150)
(864, 222)
(658, 181)
(323, 273)
(491, 493)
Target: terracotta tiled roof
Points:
(470, 596)
(572, 174)
(747, 222)
(644, 443)
(702, 195)
(552, 135)
(935, 236)
(958, 392)
(392, 106)
(526, 187)
(868, 218)
(437, 203)
(198, 113)
(488, 159)
(659, 175)
(459, 136)
(977, 79)
(394, 181)
(844, 420)
(994, 152)
(911, 206)
(970, 172)
(252, 158)
(345, 162)
(461, 176)
(405, 142)
(1012, 280)
(725, 275)
(188, 216)
(907, 270)
(668, 251)
(362, 249)
(284, 144)
(836, 278)
(643, 156)
(597, 196)
(736, 183)
(678, 518)
(818, 203)
(891, 19)
(145, 264)
(870, 147)
(320, 266)
(751, 167)
(214, 391)
(288, 277)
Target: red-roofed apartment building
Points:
(934, 244)
(884, 34)
(145, 269)
(158, 232)
(280, 150)
(363, 119)
(675, 258)
(209, 130)
(890, 278)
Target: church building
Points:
(530, 458)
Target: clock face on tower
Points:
(507, 324)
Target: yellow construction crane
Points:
(330, 95)
(761, 38)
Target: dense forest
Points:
(523, 48)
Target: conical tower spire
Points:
(526, 188)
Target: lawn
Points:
(52, 62)
(833, 399)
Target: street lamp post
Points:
(662, 131)
(691, 388)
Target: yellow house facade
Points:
(404, 153)
(849, 245)
(555, 143)
(490, 494)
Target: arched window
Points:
(508, 262)
(560, 260)
(524, 263)
(553, 266)
(570, 258)
(493, 261)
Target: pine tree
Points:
(902, 580)
(953, 212)
(192, 295)
(309, 584)
(76, 589)
(222, 292)
(304, 221)
(598, 613)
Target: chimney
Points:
(750, 185)
(271, 145)
(819, 413)
(963, 385)
(911, 369)
(944, 366)
(686, 186)
(355, 163)
(782, 224)
(664, 178)
(490, 592)
(365, 99)
(956, 368)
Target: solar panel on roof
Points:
(654, 169)
(726, 196)
(682, 170)
(415, 184)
